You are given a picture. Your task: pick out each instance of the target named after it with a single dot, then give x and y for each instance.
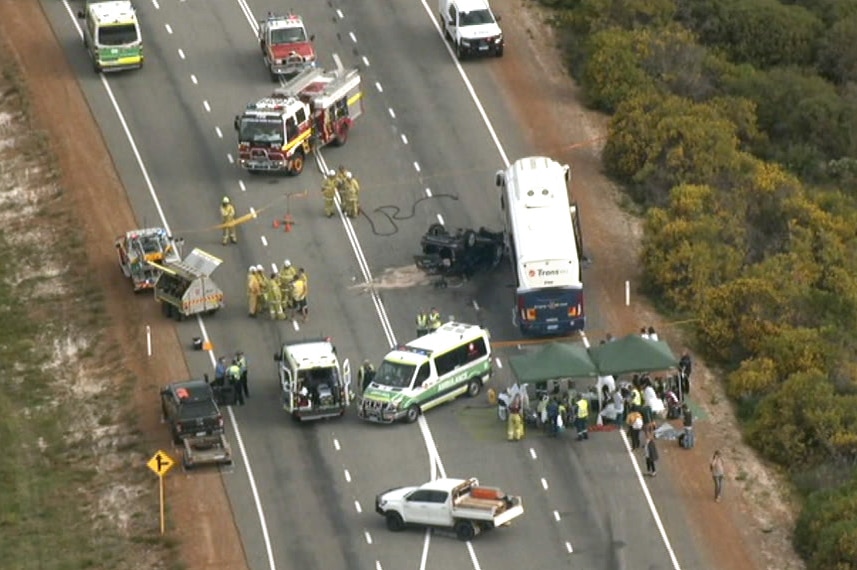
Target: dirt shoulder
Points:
(752, 527)
(200, 513)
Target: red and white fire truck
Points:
(286, 48)
(315, 109)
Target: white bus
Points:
(542, 235)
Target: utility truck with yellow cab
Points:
(286, 47)
(316, 108)
(313, 384)
(435, 368)
(461, 505)
(111, 34)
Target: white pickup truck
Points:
(458, 504)
(471, 27)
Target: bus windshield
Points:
(395, 374)
(119, 35)
(254, 130)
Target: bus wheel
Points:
(474, 388)
(413, 414)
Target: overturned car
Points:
(461, 254)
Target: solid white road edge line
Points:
(144, 171)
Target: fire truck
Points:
(286, 48)
(315, 109)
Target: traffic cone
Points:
(207, 346)
(289, 222)
(276, 223)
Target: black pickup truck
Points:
(191, 411)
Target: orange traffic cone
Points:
(289, 222)
(277, 224)
(207, 345)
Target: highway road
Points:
(302, 495)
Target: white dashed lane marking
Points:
(498, 362)
(556, 515)
(336, 444)
(156, 5)
(347, 476)
(230, 159)
(340, 14)
(241, 185)
(219, 132)
(264, 241)
(368, 537)
(417, 166)
(169, 29)
(353, 37)
(207, 106)
(193, 79)
(366, 61)
(296, 325)
(273, 267)
(404, 138)
(569, 548)
(533, 453)
(428, 192)
(440, 219)
(392, 112)
(357, 507)
(544, 484)
(181, 53)
(378, 87)
(378, 565)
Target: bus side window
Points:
(422, 375)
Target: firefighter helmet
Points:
(287, 263)
(225, 200)
(331, 173)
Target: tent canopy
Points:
(632, 353)
(556, 360)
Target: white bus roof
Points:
(539, 215)
(115, 12)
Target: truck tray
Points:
(481, 504)
(206, 450)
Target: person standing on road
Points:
(717, 473)
(685, 367)
(275, 298)
(635, 425)
(581, 418)
(422, 323)
(220, 372)
(241, 361)
(352, 196)
(227, 218)
(365, 375)
(651, 453)
(328, 190)
(515, 422)
(300, 298)
(233, 377)
(434, 320)
(254, 292)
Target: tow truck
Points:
(286, 48)
(314, 109)
(458, 504)
(138, 249)
(312, 383)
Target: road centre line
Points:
(266, 538)
(378, 565)
(569, 548)
(181, 53)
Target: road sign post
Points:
(160, 463)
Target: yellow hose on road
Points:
(246, 217)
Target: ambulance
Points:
(111, 34)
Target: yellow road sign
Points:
(160, 463)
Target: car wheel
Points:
(413, 414)
(500, 52)
(464, 530)
(176, 437)
(394, 522)
(474, 388)
(459, 51)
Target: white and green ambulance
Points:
(111, 34)
(433, 369)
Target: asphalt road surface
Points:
(302, 495)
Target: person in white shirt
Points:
(644, 333)
(652, 334)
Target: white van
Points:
(111, 34)
(433, 369)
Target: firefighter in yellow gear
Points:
(328, 190)
(254, 292)
(262, 280)
(339, 179)
(227, 216)
(287, 275)
(515, 423)
(302, 275)
(275, 298)
(352, 196)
